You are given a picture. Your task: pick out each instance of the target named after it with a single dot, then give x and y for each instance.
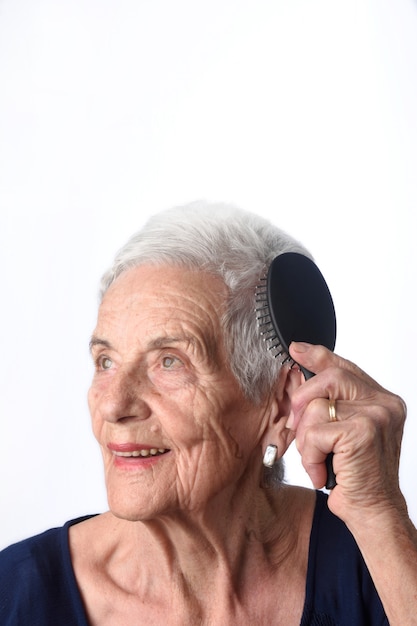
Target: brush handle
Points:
(331, 476)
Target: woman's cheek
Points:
(171, 381)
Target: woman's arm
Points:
(366, 441)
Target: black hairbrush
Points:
(294, 304)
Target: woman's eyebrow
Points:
(159, 342)
(202, 347)
(206, 349)
(97, 341)
(166, 341)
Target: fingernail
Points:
(300, 346)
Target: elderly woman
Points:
(184, 401)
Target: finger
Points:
(386, 410)
(366, 447)
(318, 415)
(318, 358)
(313, 459)
(319, 411)
(335, 384)
(343, 385)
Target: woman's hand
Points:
(365, 439)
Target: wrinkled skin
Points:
(161, 380)
(365, 439)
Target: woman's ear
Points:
(276, 433)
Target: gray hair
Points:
(235, 245)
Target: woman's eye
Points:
(105, 363)
(168, 362)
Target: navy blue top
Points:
(38, 585)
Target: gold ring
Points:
(332, 411)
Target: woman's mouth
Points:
(143, 452)
(135, 456)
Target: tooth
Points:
(143, 453)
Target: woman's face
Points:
(174, 427)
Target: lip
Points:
(129, 447)
(128, 455)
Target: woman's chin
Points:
(136, 504)
(131, 511)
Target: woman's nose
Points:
(121, 398)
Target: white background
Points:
(110, 110)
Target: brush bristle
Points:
(266, 327)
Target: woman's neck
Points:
(233, 564)
(260, 529)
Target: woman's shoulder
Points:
(34, 551)
(36, 577)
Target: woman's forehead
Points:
(183, 303)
